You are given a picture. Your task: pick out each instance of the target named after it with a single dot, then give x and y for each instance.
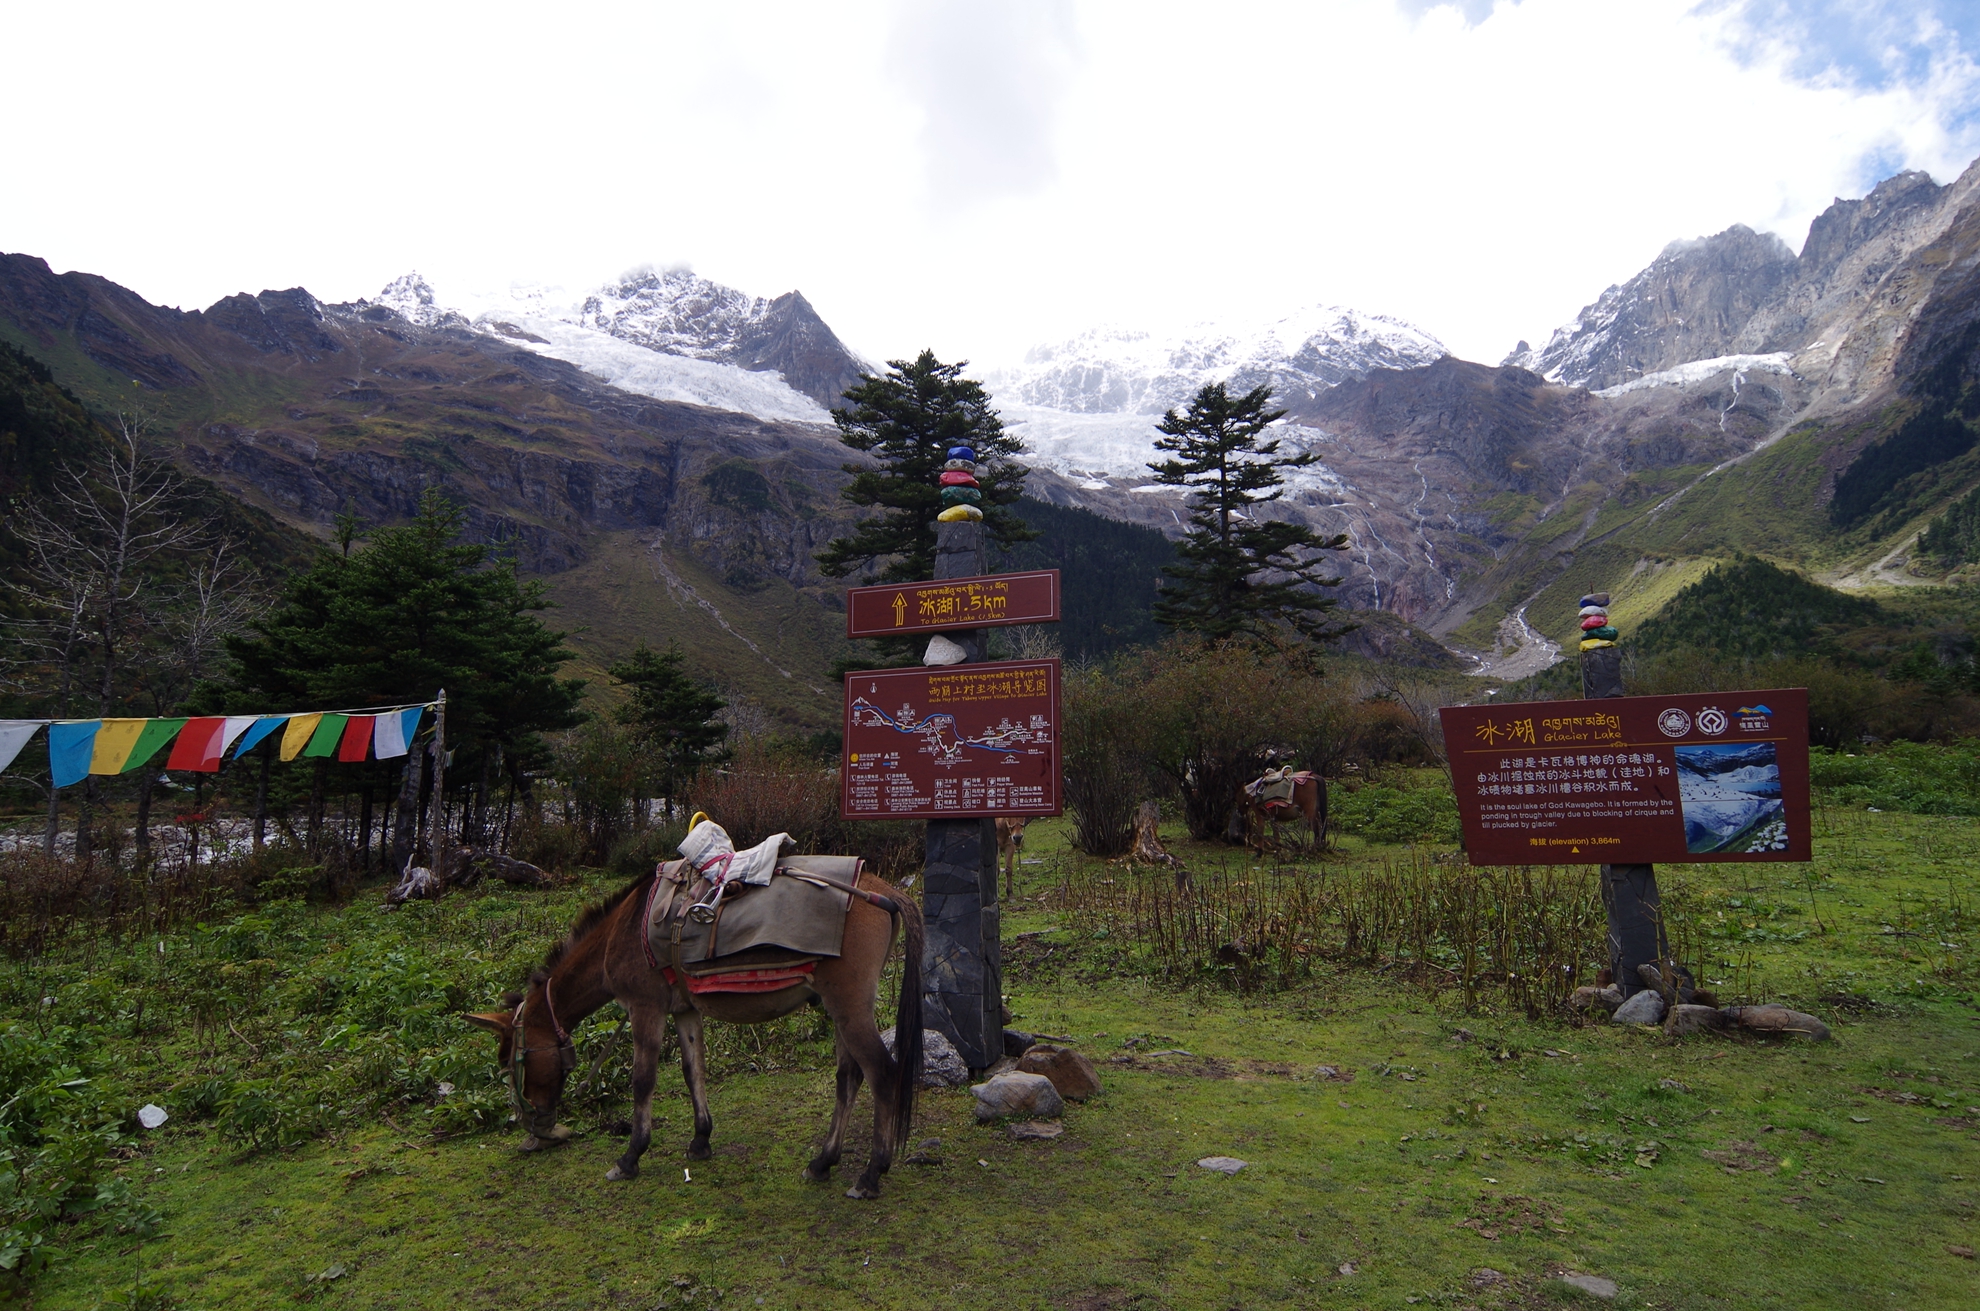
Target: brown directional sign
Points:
(951, 741)
(990, 601)
(1633, 780)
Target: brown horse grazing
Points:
(1308, 801)
(604, 958)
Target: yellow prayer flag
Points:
(113, 745)
(296, 736)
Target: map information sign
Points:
(1633, 780)
(952, 741)
(989, 601)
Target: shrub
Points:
(1921, 777)
(1385, 814)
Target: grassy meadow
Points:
(1418, 1130)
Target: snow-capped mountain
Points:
(1087, 407)
(669, 334)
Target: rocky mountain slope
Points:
(306, 410)
(659, 445)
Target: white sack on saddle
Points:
(710, 851)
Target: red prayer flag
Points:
(357, 739)
(198, 746)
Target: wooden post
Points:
(964, 964)
(437, 839)
(1629, 892)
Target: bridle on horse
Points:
(532, 1118)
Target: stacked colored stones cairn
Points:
(961, 497)
(1595, 630)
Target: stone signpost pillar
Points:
(1629, 892)
(963, 964)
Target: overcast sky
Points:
(975, 177)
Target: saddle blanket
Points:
(1275, 790)
(777, 925)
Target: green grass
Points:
(1588, 1154)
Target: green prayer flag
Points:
(156, 733)
(329, 732)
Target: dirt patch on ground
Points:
(1741, 1156)
(1493, 1218)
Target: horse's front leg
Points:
(649, 1029)
(694, 1066)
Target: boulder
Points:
(1017, 1042)
(1589, 999)
(942, 1066)
(1595, 1284)
(1072, 1074)
(1696, 1019)
(1644, 1007)
(1776, 1019)
(1223, 1164)
(1017, 1094)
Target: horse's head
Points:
(536, 1054)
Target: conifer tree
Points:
(675, 714)
(1237, 574)
(908, 418)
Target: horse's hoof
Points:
(618, 1172)
(699, 1152)
(531, 1144)
(862, 1192)
(816, 1176)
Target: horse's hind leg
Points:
(694, 1065)
(882, 1072)
(649, 1028)
(820, 1167)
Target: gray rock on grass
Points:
(1223, 1164)
(1031, 1096)
(1644, 1007)
(942, 1066)
(1600, 1287)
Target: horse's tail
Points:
(908, 1021)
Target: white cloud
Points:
(971, 177)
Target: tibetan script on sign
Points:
(950, 741)
(1633, 780)
(990, 601)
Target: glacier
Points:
(1087, 407)
(652, 334)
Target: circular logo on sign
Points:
(1674, 723)
(1711, 720)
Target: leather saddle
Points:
(742, 937)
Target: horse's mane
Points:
(592, 917)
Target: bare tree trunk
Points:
(405, 822)
(314, 833)
(147, 782)
(364, 831)
(261, 800)
(84, 814)
(426, 800)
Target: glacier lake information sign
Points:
(1633, 780)
(952, 741)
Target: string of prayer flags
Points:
(14, 734)
(78, 748)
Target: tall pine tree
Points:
(908, 418)
(674, 713)
(1237, 574)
